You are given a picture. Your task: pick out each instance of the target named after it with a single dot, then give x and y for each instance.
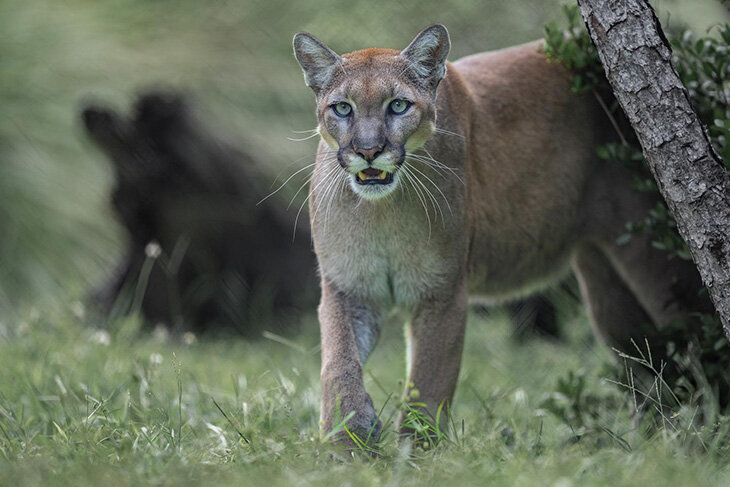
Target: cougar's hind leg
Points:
(668, 289)
(622, 323)
(616, 315)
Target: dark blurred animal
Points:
(200, 253)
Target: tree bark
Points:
(637, 59)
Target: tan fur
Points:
(534, 199)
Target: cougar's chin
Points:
(373, 184)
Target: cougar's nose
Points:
(370, 153)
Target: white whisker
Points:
(320, 189)
(413, 158)
(434, 203)
(299, 212)
(447, 132)
(302, 139)
(437, 189)
(307, 181)
(324, 196)
(284, 183)
(408, 176)
(304, 184)
(326, 183)
(343, 181)
(295, 162)
(430, 160)
(435, 165)
(326, 157)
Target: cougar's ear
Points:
(317, 60)
(427, 54)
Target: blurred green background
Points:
(57, 235)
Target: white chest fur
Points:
(384, 254)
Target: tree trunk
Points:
(637, 59)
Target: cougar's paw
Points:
(359, 433)
(360, 438)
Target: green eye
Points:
(342, 109)
(399, 106)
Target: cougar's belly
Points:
(523, 233)
(515, 272)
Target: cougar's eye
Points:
(342, 109)
(399, 106)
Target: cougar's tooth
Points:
(382, 174)
(362, 176)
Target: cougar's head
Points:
(375, 105)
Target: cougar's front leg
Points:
(349, 330)
(435, 340)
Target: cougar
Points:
(437, 181)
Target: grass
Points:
(85, 405)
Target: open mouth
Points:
(373, 176)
